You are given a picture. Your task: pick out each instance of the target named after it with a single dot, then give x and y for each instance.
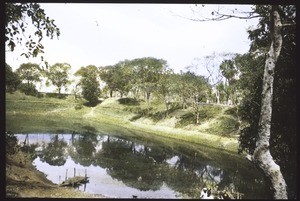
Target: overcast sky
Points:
(104, 34)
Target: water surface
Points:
(120, 168)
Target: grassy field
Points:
(26, 114)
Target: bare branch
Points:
(288, 24)
(217, 15)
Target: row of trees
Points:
(140, 78)
(28, 75)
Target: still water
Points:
(122, 168)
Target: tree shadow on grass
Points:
(89, 129)
(186, 119)
(128, 101)
(92, 104)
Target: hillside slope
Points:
(218, 124)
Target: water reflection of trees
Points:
(149, 166)
(54, 153)
(130, 163)
(146, 167)
(83, 148)
(29, 148)
(191, 172)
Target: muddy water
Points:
(122, 168)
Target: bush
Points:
(128, 101)
(79, 103)
(56, 95)
(28, 89)
(78, 106)
(11, 142)
(233, 111)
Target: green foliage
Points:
(230, 88)
(128, 101)
(28, 89)
(192, 89)
(119, 77)
(228, 69)
(206, 113)
(233, 111)
(283, 126)
(224, 126)
(55, 95)
(12, 79)
(11, 142)
(16, 25)
(166, 88)
(89, 84)
(54, 152)
(58, 74)
(148, 71)
(29, 72)
(79, 103)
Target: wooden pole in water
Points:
(74, 172)
(66, 175)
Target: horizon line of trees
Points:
(141, 77)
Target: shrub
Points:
(28, 89)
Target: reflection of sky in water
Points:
(99, 181)
(181, 163)
(172, 161)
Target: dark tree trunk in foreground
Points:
(262, 156)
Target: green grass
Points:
(224, 126)
(25, 114)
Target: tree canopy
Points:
(17, 22)
(58, 74)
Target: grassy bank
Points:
(26, 114)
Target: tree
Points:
(118, 77)
(30, 73)
(106, 74)
(283, 125)
(148, 71)
(262, 156)
(165, 88)
(124, 77)
(89, 83)
(16, 23)
(12, 79)
(194, 91)
(230, 71)
(210, 65)
(269, 32)
(58, 74)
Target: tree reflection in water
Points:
(83, 148)
(54, 153)
(149, 166)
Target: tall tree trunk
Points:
(197, 118)
(217, 96)
(262, 156)
(148, 96)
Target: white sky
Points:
(129, 31)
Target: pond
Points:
(120, 167)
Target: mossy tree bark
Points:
(262, 156)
